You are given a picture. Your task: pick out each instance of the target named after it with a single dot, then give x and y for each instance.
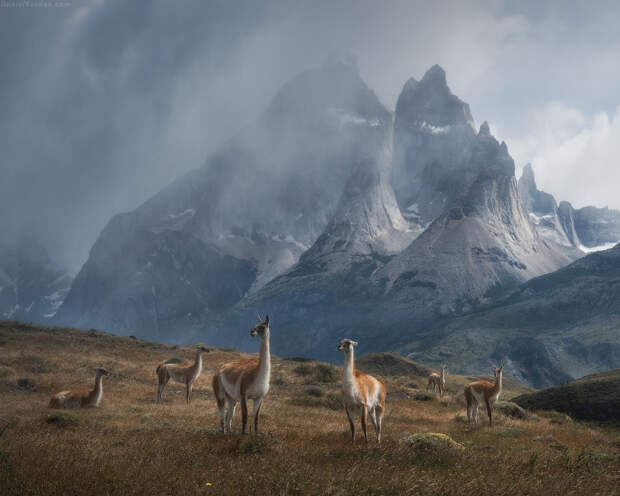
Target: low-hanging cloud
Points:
(104, 103)
(574, 156)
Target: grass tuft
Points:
(62, 419)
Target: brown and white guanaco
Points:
(244, 380)
(361, 392)
(81, 398)
(180, 372)
(437, 381)
(483, 391)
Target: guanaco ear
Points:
(354, 343)
(267, 319)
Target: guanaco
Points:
(244, 380)
(361, 391)
(483, 391)
(437, 381)
(180, 372)
(81, 398)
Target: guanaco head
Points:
(346, 345)
(497, 371)
(261, 329)
(203, 349)
(102, 372)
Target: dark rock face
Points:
(261, 200)
(32, 287)
(597, 226)
(433, 140)
(158, 285)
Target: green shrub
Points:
(6, 372)
(26, 383)
(325, 373)
(315, 391)
(423, 396)
(333, 401)
(303, 370)
(35, 364)
(174, 360)
(62, 419)
(510, 432)
(254, 445)
(555, 417)
(510, 409)
(431, 448)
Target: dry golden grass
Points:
(130, 445)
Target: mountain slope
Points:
(32, 286)
(261, 200)
(594, 397)
(588, 228)
(556, 327)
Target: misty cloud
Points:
(104, 103)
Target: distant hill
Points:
(594, 397)
(390, 364)
(551, 329)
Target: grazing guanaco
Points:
(81, 398)
(180, 372)
(361, 391)
(437, 381)
(244, 380)
(483, 391)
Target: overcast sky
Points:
(102, 103)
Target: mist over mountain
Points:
(339, 218)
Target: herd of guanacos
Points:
(248, 379)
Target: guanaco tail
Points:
(361, 392)
(483, 391)
(244, 380)
(81, 398)
(180, 372)
(437, 381)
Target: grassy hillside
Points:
(130, 445)
(594, 397)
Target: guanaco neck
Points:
(497, 387)
(198, 361)
(264, 357)
(98, 391)
(349, 367)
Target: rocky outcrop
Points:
(433, 139)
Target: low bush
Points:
(62, 419)
(431, 448)
(423, 396)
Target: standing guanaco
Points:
(180, 372)
(361, 391)
(483, 391)
(437, 381)
(244, 380)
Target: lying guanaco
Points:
(81, 398)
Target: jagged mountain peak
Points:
(435, 76)
(484, 129)
(528, 174)
(431, 103)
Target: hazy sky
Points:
(102, 103)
